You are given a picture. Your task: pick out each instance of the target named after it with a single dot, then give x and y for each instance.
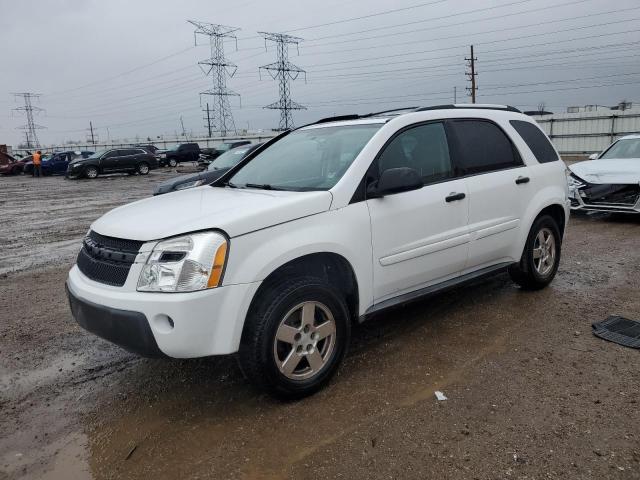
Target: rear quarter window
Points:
(481, 146)
(536, 140)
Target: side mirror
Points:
(395, 180)
(593, 156)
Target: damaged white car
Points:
(609, 182)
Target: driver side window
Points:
(423, 148)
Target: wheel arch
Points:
(332, 267)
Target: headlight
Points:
(573, 181)
(195, 183)
(163, 155)
(185, 264)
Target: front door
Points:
(419, 237)
(109, 161)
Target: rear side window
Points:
(482, 146)
(537, 141)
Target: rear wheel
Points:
(295, 337)
(91, 172)
(541, 256)
(173, 162)
(143, 168)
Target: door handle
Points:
(521, 180)
(454, 196)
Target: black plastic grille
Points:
(106, 259)
(611, 194)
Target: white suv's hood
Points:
(235, 211)
(610, 170)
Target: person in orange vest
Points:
(37, 164)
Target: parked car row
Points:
(140, 159)
(10, 165)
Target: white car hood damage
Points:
(235, 211)
(609, 171)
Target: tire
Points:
(15, 171)
(142, 168)
(534, 272)
(263, 357)
(91, 172)
(173, 163)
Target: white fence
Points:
(588, 132)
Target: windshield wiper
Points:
(262, 186)
(231, 185)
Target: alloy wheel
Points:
(544, 252)
(305, 340)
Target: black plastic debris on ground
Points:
(618, 330)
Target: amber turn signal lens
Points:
(218, 266)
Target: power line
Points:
(127, 72)
(466, 34)
(28, 109)
(284, 71)
(386, 12)
(219, 67)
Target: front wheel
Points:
(541, 256)
(295, 337)
(173, 162)
(91, 172)
(143, 168)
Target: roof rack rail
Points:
(338, 118)
(479, 106)
(391, 111)
(356, 116)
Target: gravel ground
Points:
(531, 393)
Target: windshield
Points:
(629, 148)
(309, 159)
(97, 154)
(228, 159)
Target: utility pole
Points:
(218, 67)
(471, 75)
(93, 140)
(31, 126)
(455, 96)
(184, 132)
(209, 121)
(284, 71)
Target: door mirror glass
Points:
(395, 180)
(593, 156)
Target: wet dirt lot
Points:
(531, 393)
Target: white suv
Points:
(321, 227)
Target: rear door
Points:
(499, 188)
(419, 237)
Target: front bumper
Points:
(125, 328)
(580, 202)
(180, 325)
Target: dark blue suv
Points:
(57, 163)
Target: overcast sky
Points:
(131, 68)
